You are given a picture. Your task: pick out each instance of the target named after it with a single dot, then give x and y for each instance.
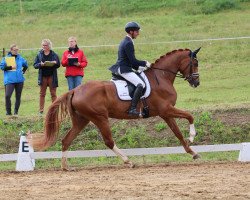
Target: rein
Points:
(167, 70)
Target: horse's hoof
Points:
(196, 156)
(68, 169)
(65, 169)
(130, 164)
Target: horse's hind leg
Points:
(174, 127)
(78, 123)
(103, 125)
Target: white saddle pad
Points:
(122, 88)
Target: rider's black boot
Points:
(137, 94)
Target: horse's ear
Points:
(195, 52)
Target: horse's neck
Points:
(159, 79)
(169, 68)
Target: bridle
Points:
(191, 75)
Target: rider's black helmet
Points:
(132, 26)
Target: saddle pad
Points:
(122, 88)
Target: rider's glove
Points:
(148, 65)
(141, 69)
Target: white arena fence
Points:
(147, 43)
(244, 154)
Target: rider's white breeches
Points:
(132, 77)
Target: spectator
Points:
(47, 62)
(74, 71)
(14, 66)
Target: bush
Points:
(210, 6)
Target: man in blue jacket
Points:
(126, 62)
(13, 77)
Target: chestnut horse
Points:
(97, 101)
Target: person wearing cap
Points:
(14, 66)
(127, 62)
(74, 71)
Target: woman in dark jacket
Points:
(47, 61)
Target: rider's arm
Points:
(130, 51)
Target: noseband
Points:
(192, 76)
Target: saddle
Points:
(125, 90)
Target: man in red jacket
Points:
(75, 61)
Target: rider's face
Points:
(134, 34)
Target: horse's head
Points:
(189, 68)
(183, 61)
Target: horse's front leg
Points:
(173, 112)
(174, 127)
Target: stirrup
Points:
(133, 112)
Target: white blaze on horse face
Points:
(192, 133)
(118, 152)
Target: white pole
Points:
(21, 7)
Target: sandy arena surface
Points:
(217, 180)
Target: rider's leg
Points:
(135, 100)
(140, 85)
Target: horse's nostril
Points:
(196, 84)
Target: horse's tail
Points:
(52, 121)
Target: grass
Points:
(109, 8)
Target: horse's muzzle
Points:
(194, 80)
(195, 83)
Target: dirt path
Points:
(226, 180)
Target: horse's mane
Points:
(170, 53)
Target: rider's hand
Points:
(141, 69)
(148, 64)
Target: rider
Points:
(126, 62)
